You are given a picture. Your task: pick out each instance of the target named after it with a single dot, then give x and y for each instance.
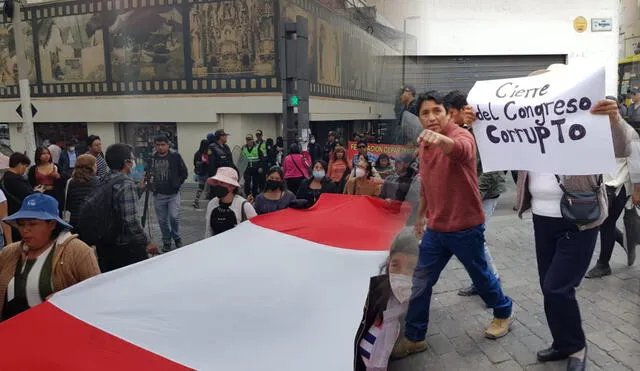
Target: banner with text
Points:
(542, 123)
(377, 149)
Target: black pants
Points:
(563, 253)
(251, 181)
(608, 228)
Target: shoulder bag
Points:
(580, 207)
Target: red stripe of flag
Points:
(47, 338)
(355, 216)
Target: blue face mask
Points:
(318, 174)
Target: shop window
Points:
(45, 132)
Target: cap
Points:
(405, 158)
(249, 137)
(332, 133)
(37, 206)
(211, 137)
(634, 91)
(259, 132)
(220, 133)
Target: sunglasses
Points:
(362, 146)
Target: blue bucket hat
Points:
(37, 206)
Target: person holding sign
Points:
(621, 186)
(455, 225)
(567, 211)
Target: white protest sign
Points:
(542, 123)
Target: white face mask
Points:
(401, 285)
(312, 141)
(359, 173)
(72, 149)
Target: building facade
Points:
(127, 70)
(474, 39)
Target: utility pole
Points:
(295, 83)
(23, 74)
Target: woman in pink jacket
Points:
(296, 167)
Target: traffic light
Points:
(294, 101)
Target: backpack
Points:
(97, 219)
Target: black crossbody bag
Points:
(580, 207)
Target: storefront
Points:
(46, 131)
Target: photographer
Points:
(168, 173)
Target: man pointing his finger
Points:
(455, 224)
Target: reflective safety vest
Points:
(251, 154)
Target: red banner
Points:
(392, 150)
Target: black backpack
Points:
(97, 219)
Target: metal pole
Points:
(404, 49)
(23, 83)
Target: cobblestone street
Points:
(610, 306)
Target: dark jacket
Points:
(76, 195)
(65, 163)
(316, 151)
(327, 149)
(306, 197)
(16, 188)
(374, 306)
(178, 173)
(199, 167)
(219, 156)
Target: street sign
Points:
(601, 24)
(33, 110)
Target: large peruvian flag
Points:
(284, 291)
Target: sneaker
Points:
(178, 243)
(600, 270)
(468, 291)
(405, 347)
(498, 328)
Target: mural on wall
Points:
(71, 48)
(232, 37)
(8, 61)
(147, 44)
(289, 14)
(329, 54)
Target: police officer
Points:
(219, 154)
(251, 153)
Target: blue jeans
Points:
(168, 212)
(436, 249)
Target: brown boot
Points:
(405, 347)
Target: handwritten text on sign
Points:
(542, 123)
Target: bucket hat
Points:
(226, 175)
(37, 206)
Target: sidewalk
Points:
(610, 306)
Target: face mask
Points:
(72, 149)
(272, 185)
(359, 173)
(219, 191)
(401, 286)
(318, 174)
(312, 141)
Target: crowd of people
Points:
(81, 209)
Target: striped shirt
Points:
(101, 164)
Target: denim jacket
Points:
(581, 183)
